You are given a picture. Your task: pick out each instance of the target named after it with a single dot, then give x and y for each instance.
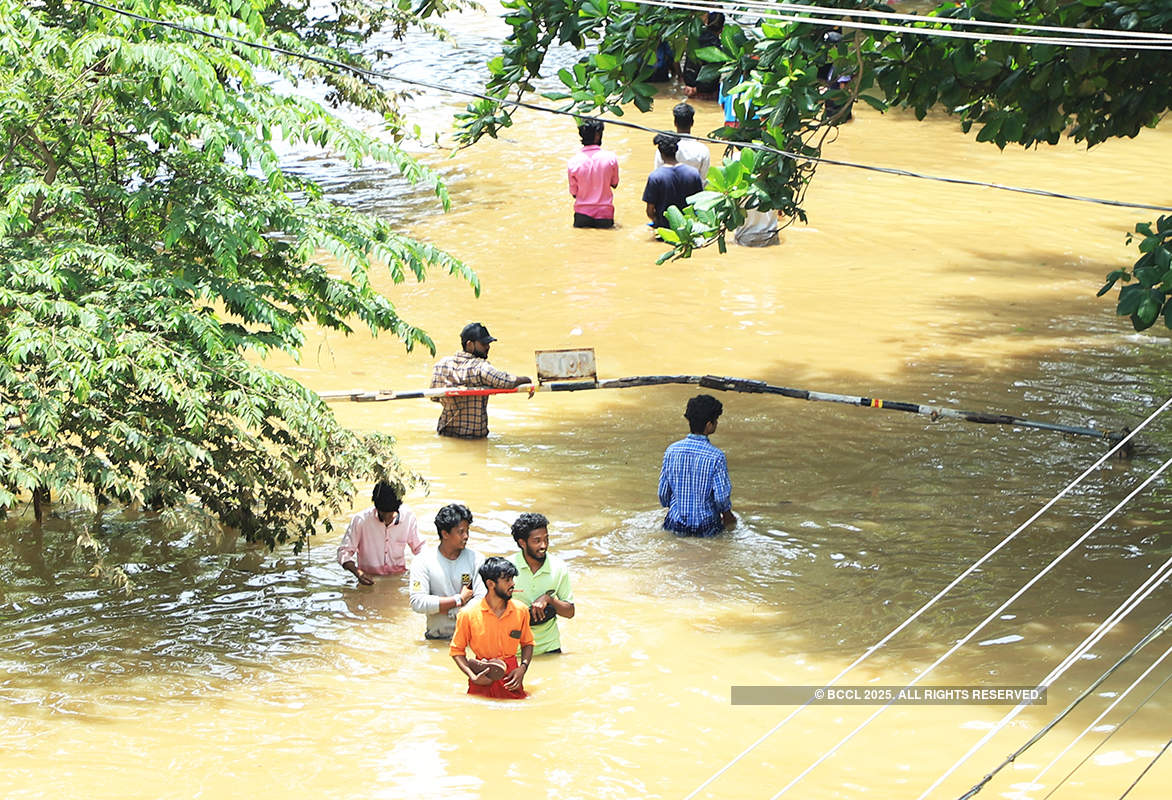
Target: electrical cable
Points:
(933, 600)
(1081, 37)
(385, 75)
(1110, 707)
(519, 104)
(1133, 602)
(1120, 44)
(1111, 733)
(980, 626)
(832, 11)
(1151, 764)
(619, 123)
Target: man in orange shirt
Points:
(493, 629)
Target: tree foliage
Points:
(1010, 92)
(1030, 94)
(774, 69)
(149, 240)
(1150, 297)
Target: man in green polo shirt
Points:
(543, 582)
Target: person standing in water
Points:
(593, 174)
(543, 582)
(693, 482)
(375, 541)
(447, 578)
(709, 37)
(669, 185)
(467, 417)
(493, 629)
(688, 151)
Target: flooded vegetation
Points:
(230, 667)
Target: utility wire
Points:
(1091, 726)
(1118, 44)
(1132, 603)
(519, 104)
(968, 636)
(938, 596)
(958, 21)
(369, 73)
(1112, 732)
(1151, 764)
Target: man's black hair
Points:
(590, 131)
(385, 497)
(702, 409)
(495, 568)
(450, 516)
(667, 144)
(684, 115)
(526, 524)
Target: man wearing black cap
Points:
(467, 417)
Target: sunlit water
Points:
(232, 671)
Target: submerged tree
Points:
(149, 240)
(1012, 92)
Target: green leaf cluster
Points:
(618, 41)
(1009, 92)
(771, 70)
(1150, 297)
(1027, 94)
(149, 240)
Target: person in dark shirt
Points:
(709, 37)
(831, 80)
(669, 185)
(665, 65)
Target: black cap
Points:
(475, 332)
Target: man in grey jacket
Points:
(447, 578)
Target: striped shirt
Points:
(694, 487)
(466, 417)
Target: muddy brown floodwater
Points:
(235, 673)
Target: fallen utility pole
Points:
(743, 385)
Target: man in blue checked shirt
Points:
(694, 484)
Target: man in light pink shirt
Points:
(593, 173)
(375, 539)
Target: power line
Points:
(1118, 44)
(1153, 583)
(931, 602)
(1107, 738)
(369, 73)
(958, 21)
(980, 626)
(1091, 726)
(1151, 764)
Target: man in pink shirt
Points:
(375, 540)
(593, 173)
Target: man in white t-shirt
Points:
(688, 151)
(760, 229)
(447, 578)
